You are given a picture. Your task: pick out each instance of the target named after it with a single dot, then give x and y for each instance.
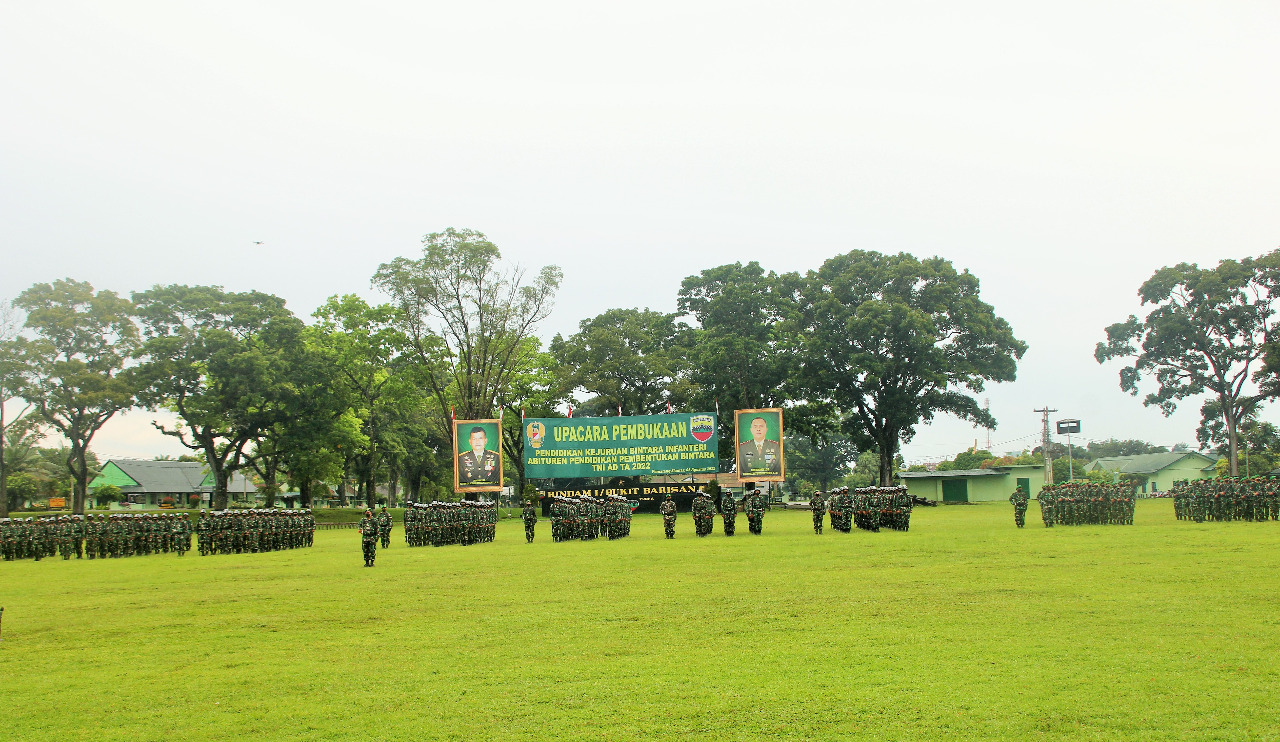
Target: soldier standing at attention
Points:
(384, 527)
(530, 517)
(817, 506)
(368, 528)
(755, 512)
(668, 510)
(729, 511)
(1019, 500)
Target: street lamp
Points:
(1067, 427)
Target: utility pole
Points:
(986, 407)
(1048, 457)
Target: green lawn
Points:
(963, 628)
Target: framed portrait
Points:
(477, 456)
(759, 447)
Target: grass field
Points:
(963, 628)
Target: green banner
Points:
(681, 443)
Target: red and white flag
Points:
(619, 410)
(668, 408)
(570, 410)
(452, 416)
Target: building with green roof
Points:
(1155, 472)
(148, 483)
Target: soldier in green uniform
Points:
(384, 527)
(7, 539)
(1019, 500)
(368, 528)
(817, 506)
(703, 514)
(668, 510)
(530, 517)
(729, 512)
(755, 512)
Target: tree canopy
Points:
(222, 361)
(890, 341)
(466, 318)
(1205, 333)
(76, 365)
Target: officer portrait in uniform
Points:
(479, 467)
(759, 436)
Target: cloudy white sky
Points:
(1059, 152)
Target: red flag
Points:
(452, 416)
(668, 408)
(570, 410)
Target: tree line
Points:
(860, 351)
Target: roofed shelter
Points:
(974, 485)
(149, 482)
(1153, 472)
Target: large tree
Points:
(466, 318)
(1113, 447)
(821, 462)
(76, 365)
(1205, 334)
(10, 380)
(538, 388)
(890, 341)
(223, 362)
(743, 351)
(635, 359)
(365, 347)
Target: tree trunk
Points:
(370, 490)
(887, 451)
(304, 492)
(220, 488)
(1229, 412)
(342, 484)
(269, 485)
(4, 484)
(393, 484)
(415, 486)
(79, 469)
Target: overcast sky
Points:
(1061, 155)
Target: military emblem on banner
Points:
(702, 427)
(536, 432)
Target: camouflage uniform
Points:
(755, 512)
(729, 512)
(668, 510)
(385, 522)
(1019, 500)
(530, 517)
(368, 537)
(817, 506)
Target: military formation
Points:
(253, 531)
(1087, 504)
(447, 523)
(1251, 499)
(96, 536)
(588, 518)
(865, 508)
